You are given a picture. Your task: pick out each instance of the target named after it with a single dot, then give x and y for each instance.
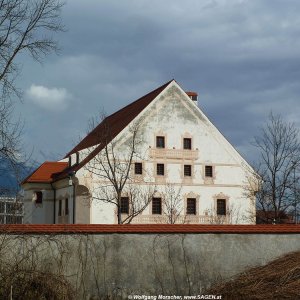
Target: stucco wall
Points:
(169, 264)
(173, 116)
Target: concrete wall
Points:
(169, 264)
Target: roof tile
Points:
(46, 171)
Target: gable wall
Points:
(172, 116)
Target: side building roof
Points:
(46, 172)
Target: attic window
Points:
(77, 158)
(160, 142)
(70, 161)
(187, 143)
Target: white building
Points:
(11, 210)
(179, 150)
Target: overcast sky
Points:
(242, 57)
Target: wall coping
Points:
(147, 229)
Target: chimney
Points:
(193, 96)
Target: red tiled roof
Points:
(46, 172)
(149, 228)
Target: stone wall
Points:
(122, 264)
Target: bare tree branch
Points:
(278, 168)
(112, 167)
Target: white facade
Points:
(175, 117)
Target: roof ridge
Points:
(134, 102)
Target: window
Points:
(2, 207)
(59, 207)
(138, 168)
(160, 142)
(187, 170)
(10, 209)
(156, 206)
(208, 171)
(77, 158)
(38, 197)
(187, 143)
(221, 207)
(190, 206)
(160, 169)
(66, 206)
(124, 205)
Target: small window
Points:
(160, 142)
(208, 171)
(160, 169)
(187, 170)
(10, 209)
(156, 206)
(2, 207)
(77, 158)
(59, 207)
(221, 207)
(39, 197)
(191, 206)
(66, 206)
(187, 143)
(124, 205)
(138, 168)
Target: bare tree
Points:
(278, 168)
(113, 167)
(25, 27)
(172, 205)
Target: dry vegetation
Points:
(279, 279)
(35, 285)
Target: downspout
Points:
(71, 176)
(54, 209)
(74, 203)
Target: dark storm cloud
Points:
(242, 57)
